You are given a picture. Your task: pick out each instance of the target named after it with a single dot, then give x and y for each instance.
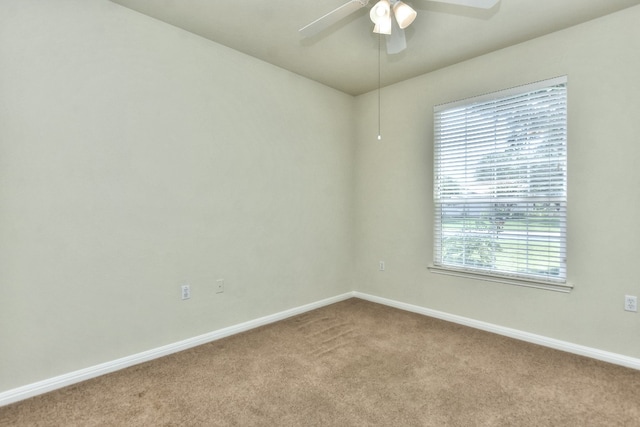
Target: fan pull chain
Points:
(379, 120)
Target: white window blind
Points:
(500, 188)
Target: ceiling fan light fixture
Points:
(383, 28)
(404, 14)
(380, 12)
(380, 15)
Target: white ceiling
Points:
(345, 56)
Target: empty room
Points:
(334, 212)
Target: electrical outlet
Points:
(381, 265)
(631, 303)
(186, 291)
(219, 286)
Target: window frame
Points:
(549, 282)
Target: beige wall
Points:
(394, 187)
(135, 156)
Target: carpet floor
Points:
(353, 363)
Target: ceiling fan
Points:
(381, 15)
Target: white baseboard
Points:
(54, 383)
(60, 381)
(594, 353)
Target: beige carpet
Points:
(353, 363)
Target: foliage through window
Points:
(500, 188)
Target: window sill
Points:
(549, 286)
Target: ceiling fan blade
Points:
(480, 4)
(332, 17)
(396, 41)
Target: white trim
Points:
(74, 377)
(41, 387)
(538, 284)
(594, 353)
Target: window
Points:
(500, 187)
